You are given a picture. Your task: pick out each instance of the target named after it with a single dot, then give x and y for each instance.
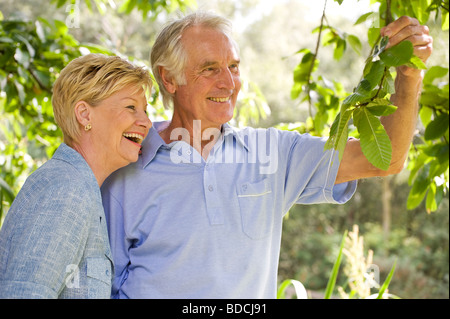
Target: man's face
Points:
(212, 78)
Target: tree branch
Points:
(308, 90)
(389, 18)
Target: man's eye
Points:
(234, 67)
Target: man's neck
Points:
(201, 138)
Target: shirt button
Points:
(107, 272)
(244, 187)
(210, 188)
(188, 152)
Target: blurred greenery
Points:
(403, 218)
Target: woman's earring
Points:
(88, 127)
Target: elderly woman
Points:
(54, 241)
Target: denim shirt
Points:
(54, 242)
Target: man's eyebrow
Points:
(207, 64)
(211, 63)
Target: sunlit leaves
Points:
(375, 142)
(149, 9)
(369, 101)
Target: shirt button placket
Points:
(212, 201)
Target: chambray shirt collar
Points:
(153, 142)
(67, 154)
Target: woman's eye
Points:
(131, 107)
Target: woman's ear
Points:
(168, 80)
(83, 113)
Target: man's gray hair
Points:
(168, 51)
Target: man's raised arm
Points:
(400, 125)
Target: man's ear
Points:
(83, 113)
(169, 82)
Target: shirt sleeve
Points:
(311, 172)
(47, 234)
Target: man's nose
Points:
(226, 80)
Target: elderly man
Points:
(200, 214)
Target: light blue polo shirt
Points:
(182, 227)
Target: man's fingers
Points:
(417, 34)
(398, 25)
(423, 52)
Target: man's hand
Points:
(409, 29)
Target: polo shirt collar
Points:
(227, 129)
(151, 145)
(153, 142)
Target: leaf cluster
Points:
(148, 8)
(429, 156)
(32, 53)
(358, 114)
(370, 101)
(31, 56)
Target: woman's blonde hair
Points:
(168, 51)
(92, 78)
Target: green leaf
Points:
(6, 189)
(20, 92)
(360, 95)
(388, 83)
(373, 35)
(416, 63)
(419, 188)
(23, 57)
(375, 74)
(420, 10)
(40, 31)
(332, 280)
(445, 20)
(386, 282)
(398, 55)
(339, 49)
(430, 203)
(437, 127)
(364, 17)
(433, 73)
(375, 142)
(339, 133)
(300, 290)
(381, 107)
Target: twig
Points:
(308, 90)
(389, 18)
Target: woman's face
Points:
(119, 125)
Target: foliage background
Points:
(34, 46)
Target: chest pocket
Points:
(99, 273)
(256, 207)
